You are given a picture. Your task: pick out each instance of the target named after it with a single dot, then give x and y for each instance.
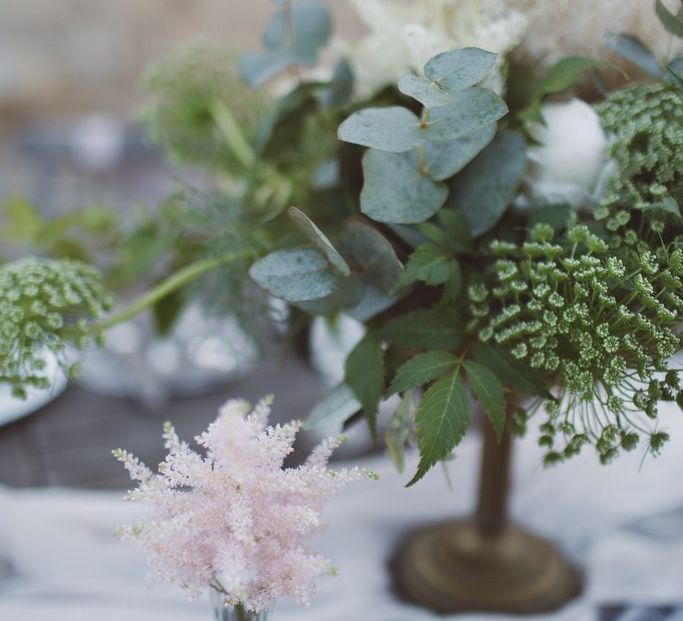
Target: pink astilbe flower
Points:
(234, 519)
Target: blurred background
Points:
(71, 92)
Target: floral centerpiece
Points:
(497, 236)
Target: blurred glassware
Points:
(201, 352)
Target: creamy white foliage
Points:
(569, 164)
(405, 34)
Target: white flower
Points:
(405, 34)
(569, 163)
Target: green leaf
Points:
(485, 189)
(421, 370)
(340, 87)
(309, 28)
(372, 303)
(556, 216)
(563, 74)
(489, 392)
(364, 373)
(442, 160)
(294, 275)
(672, 23)
(425, 329)
(427, 92)
(442, 419)
(456, 230)
(334, 409)
(394, 129)
(369, 250)
(458, 69)
(348, 293)
(510, 371)
(428, 264)
(258, 67)
(470, 110)
(395, 191)
(167, 311)
(321, 240)
(398, 430)
(634, 50)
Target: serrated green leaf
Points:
(489, 392)
(458, 69)
(334, 409)
(395, 191)
(294, 275)
(634, 50)
(469, 111)
(442, 419)
(485, 189)
(393, 129)
(364, 373)
(421, 370)
(309, 228)
(510, 371)
(429, 265)
(672, 23)
(427, 92)
(442, 160)
(425, 329)
(372, 253)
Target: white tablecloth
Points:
(619, 522)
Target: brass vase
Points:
(484, 563)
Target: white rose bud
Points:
(569, 164)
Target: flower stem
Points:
(164, 288)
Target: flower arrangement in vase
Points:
(489, 252)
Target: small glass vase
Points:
(221, 612)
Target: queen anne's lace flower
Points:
(234, 519)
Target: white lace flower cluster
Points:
(234, 519)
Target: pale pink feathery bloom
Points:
(233, 518)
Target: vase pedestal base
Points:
(452, 567)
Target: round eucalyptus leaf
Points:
(396, 192)
(309, 228)
(428, 93)
(307, 32)
(442, 160)
(485, 189)
(372, 254)
(470, 110)
(458, 69)
(295, 275)
(394, 129)
(258, 67)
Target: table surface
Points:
(622, 524)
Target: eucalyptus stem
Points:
(164, 288)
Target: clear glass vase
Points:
(221, 612)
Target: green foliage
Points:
(489, 392)
(485, 189)
(442, 419)
(364, 374)
(430, 265)
(672, 23)
(422, 369)
(295, 275)
(320, 240)
(188, 89)
(647, 123)
(414, 197)
(294, 36)
(45, 306)
(372, 254)
(425, 329)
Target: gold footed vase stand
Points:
(485, 563)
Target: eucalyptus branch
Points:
(166, 287)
